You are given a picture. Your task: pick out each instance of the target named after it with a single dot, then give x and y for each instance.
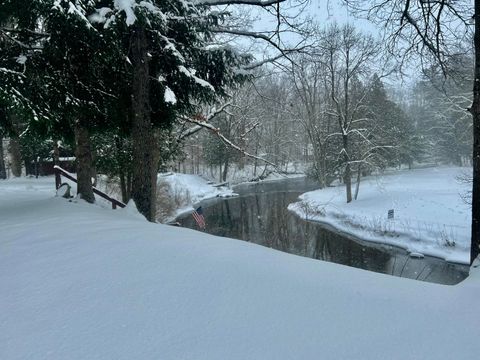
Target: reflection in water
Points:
(263, 218)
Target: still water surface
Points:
(259, 215)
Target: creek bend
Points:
(259, 215)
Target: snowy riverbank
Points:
(189, 190)
(79, 281)
(430, 216)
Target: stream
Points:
(259, 215)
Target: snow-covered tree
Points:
(392, 131)
(348, 56)
(73, 64)
(173, 68)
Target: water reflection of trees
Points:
(264, 219)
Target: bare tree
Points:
(431, 29)
(308, 74)
(348, 56)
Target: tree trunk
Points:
(359, 177)
(144, 182)
(121, 172)
(84, 163)
(475, 110)
(56, 161)
(347, 177)
(225, 169)
(324, 166)
(123, 186)
(93, 174)
(35, 160)
(255, 162)
(129, 185)
(3, 171)
(15, 157)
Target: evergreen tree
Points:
(173, 68)
(393, 131)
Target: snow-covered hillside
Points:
(79, 281)
(430, 216)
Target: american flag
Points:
(198, 216)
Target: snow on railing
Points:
(62, 172)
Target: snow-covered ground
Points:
(430, 216)
(189, 190)
(198, 189)
(79, 281)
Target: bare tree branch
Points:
(261, 3)
(226, 141)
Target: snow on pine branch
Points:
(107, 15)
(73, 9)
(12, 72)
(191, 74)
(169, 96)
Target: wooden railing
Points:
(62, 172)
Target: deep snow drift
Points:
(78, 281)
(430, 216)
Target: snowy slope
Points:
(79, 281)
(193, 189)
(430, 215)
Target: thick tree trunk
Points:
(144, 183)
(475, 110)
(347, 177)
(3, 171)
(84, 163)
(15, 157)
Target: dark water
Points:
(260, 216)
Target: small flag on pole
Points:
(390, 214)
(198, 216)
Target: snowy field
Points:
(430, 216)
(80, 281)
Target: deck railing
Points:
(62, 172)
